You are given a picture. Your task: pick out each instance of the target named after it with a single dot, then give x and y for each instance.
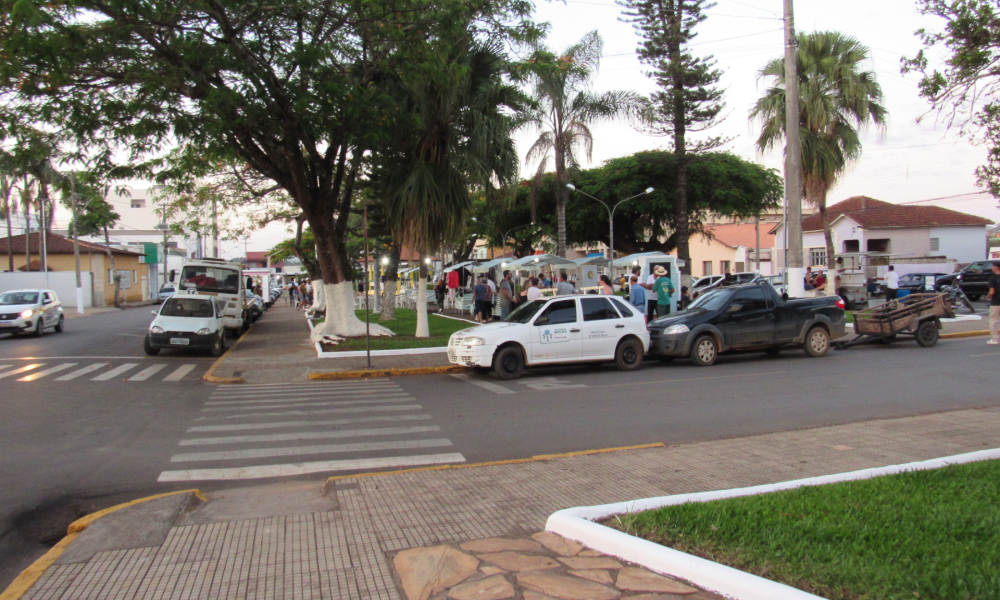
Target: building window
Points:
(135, 276)
(741, 267)
(706, 268)
(138, 203)
(852, 246)
(724, 266)
(935, 244)
(817, 257)
(879, 245)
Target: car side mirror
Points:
(173, 275)
(541, 321)
(46, 301)
(734, 307)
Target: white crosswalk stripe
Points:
(69, 371)
(269, 430)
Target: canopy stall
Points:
(489, 265)
(535, 262)
(468, 264)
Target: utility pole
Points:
(793, 160)
(215, 229)
(756, 252)
(76, 241)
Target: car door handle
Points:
(619, 326)
(574, 331)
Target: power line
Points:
(943, 198)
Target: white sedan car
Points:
(564, 329)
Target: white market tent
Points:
(630, 260)
(460, 265)
(598, 261)
(489, 265)
(535, 262)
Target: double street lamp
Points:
(611, 215)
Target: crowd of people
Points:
(300, 294)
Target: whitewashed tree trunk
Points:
(341, 322)
(388, 300)
(423, 328)
(319, 295)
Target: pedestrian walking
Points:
(664, 289)
(565, 288)
(506, 295)
(994, 297)
(288, 289)
(604, 283)
(891, 284)
(440, 291)
(636, 294)
(479, 298)
(492, 297)
(650, 297)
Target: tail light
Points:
(840, 304)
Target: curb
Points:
(495, 463)
(212, 378)
(964, 334)
(28, 577)
(579, 524)
(391, 372)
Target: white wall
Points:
(964, 244)
(63, 283)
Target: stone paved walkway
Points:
(302, 543)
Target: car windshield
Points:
(210, 279)
(12, 298)
(524, 313)
(712, 300)
(187, 307)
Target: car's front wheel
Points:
(220, 344)
(704, 351)
(38, 328)
(628, 355)
(149, 348)
(59, 325)
(508, 363)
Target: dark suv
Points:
(973, 279)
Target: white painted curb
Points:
(577, 524)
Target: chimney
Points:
(864, 203)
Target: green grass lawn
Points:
(404, 326)
(923, 535)
(850, 316)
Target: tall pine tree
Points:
(688, 100)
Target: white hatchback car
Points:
(30, 311)
(188, 322)
(564, 329)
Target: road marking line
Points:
(114, 372)
(40, 374)
(326, 411)
(257, 426)
(2, 367)
(306, 393)
(148, 372)
(312, 403)
(180, 373)
(304, 450)
(83, 371)
(306, 398)
(286, 385)
(550, 383)
(308, 388)
(309, 467)
(314, 435)
(486, 385)
(987, 354)
(21, 370)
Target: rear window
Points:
(187, 307)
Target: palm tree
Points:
(836, 99)
(564, 111)
(456, 133)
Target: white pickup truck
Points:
(563, 329)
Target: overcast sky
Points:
(912, 162)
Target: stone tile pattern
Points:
(346, 554)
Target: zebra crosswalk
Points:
(279, 430)
(98, 371)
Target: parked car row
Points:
(582, 328)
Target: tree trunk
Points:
(319, 296)
(423, 328)
(6, 210)
(391, 282)
(562, 195)
(114, 271)
(338, 287)
(26, 204)
(680, 147)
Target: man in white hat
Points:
(664, 289)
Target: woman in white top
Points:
(533, 292)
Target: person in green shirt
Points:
(664, 289)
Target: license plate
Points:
(180, 341)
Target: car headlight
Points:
(156, 329)
(27, 314)
(204, 331)
(675, 329)
(473, 341)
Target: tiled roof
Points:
(876, 214)
(55, 244)
(742, 234)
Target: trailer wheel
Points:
(927, 334)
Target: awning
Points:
(626, 261)
(538, 261)
(489, 265)
(599, 260)
(460, 265)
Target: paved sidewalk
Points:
(298, 540)
(69, 310)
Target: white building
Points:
(862, 224)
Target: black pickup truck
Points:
(747, 317)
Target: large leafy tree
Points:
(688, 100)
(457, 135)
(564, 111)
(837, 97)
(295, 89)
(965, 88)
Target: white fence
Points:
(63, 283)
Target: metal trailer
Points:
(917, 315)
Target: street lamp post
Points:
(507, 233)
(611, 216)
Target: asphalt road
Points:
(70, 447)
